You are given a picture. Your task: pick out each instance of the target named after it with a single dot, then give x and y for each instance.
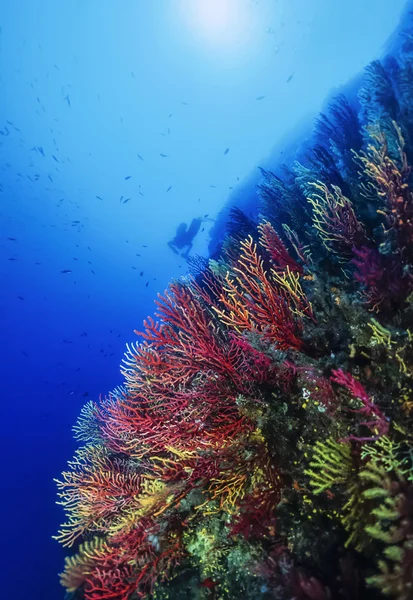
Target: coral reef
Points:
(262, 444)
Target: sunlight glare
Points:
(214, 14)
(221, 22)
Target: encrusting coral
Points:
(262, 444)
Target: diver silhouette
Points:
(184, 237)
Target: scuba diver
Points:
(185, 236)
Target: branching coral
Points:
(102, 493)
(377, 421)
(335, 220)
(261, 445)
(265, 302)
(387, 179)
(271, 241)
(331, 465)
(392, 526)
(385, 285)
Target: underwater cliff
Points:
(262, 443)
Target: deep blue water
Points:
(93, 93)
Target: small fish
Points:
(121, 198)
(133, 74)
(128, 177)
(184, 103)
(92, 271)
(206, 216)
(141, 194)
(85, 394)
(50, 178)
(134, 268)
(143, 246)
(75, 221)
(67, 100)
(12, 239)
(127, 200)
(141, 273)
(20, 297)
(290, 77)
(226, 151)
(163, 155)
(40, 149)
(169, 188)
(66, 271)
(54, 158)
(170, 115)
(139, 156)
(260, 97)
(99, 198)
(212, 186)
(147, 283)
(138, 254)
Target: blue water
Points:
(86, 87)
